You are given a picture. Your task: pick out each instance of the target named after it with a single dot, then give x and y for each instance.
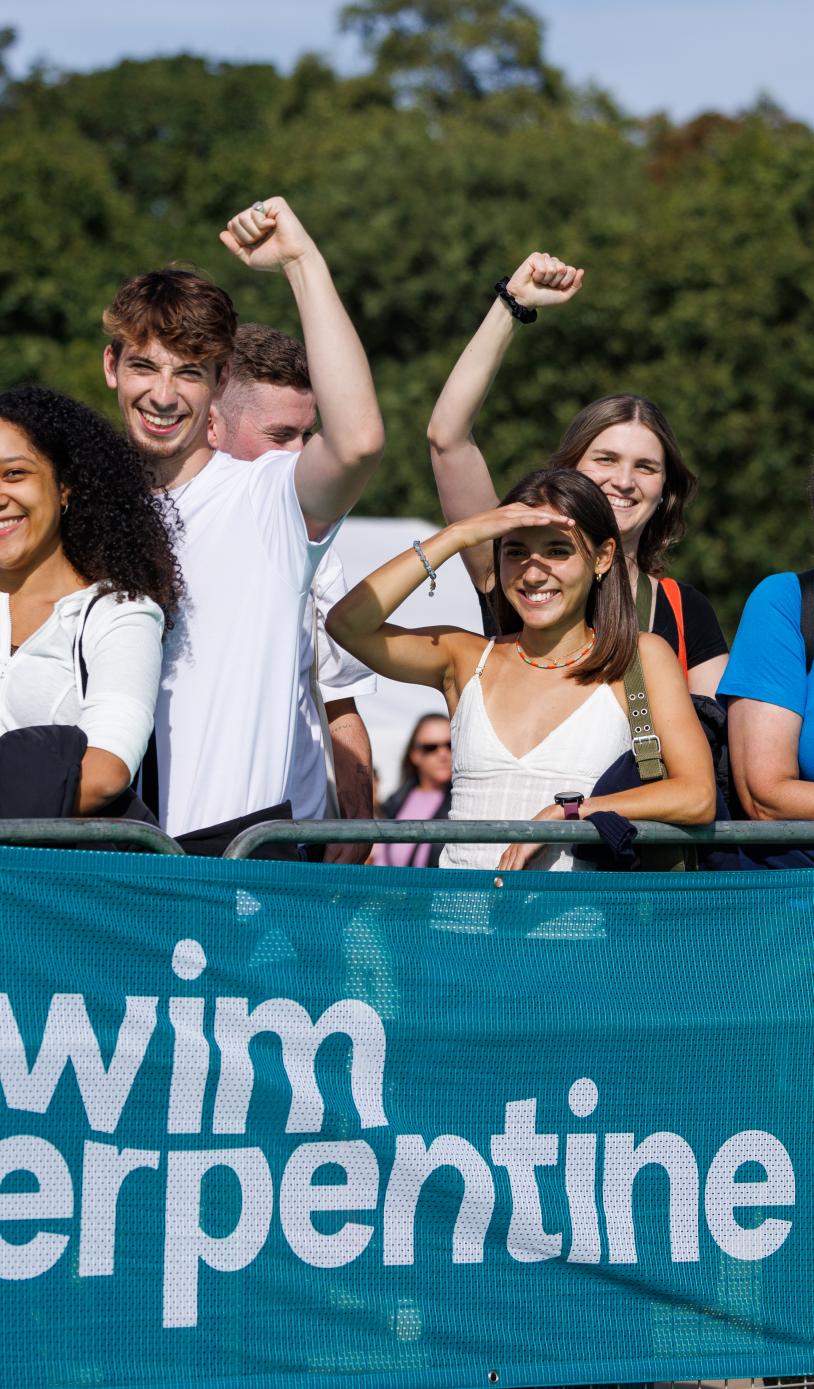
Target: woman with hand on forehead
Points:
(623, 442)
(538, 713)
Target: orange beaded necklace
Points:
(566, 661)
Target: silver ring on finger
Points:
(259, 206)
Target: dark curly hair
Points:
(114, 531)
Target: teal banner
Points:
(270, 1124)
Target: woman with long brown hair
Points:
(540, 712)
(623, 442)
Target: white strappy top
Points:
(490, 783)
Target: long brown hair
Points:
(667, 525)
(609, 610)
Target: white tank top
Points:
(490, 783)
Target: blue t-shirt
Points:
(768, 660)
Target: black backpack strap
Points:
(806, 582)
(149, 776)
(79, 657)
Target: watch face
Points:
(570, 802)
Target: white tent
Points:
(363, 544)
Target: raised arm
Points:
(337, 462)
(461, 474)
(430, 655)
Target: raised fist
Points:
(267, 236)
(543, 280)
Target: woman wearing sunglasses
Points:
(424, 793)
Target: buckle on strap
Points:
(646, 738)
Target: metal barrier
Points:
(722, 834)
(132, 834)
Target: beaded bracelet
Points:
(431, 574)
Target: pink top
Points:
(418, 805)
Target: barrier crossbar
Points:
(134, 834)
(88, 833)
(722, 834)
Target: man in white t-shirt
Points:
(266, 402)
(252, 534)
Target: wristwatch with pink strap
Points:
(570, 802)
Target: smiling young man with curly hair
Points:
(252, 534)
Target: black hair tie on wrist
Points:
(518, 311)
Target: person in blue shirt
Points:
(770, 696)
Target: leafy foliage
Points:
(424, 180)
(445, 50)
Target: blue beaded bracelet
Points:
(431, 574)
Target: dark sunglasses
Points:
(430, 747)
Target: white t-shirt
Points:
(227, 708)
(340, 675)
(121, 646)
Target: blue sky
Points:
(682, 56)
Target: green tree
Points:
(696, 241)
(441, 51)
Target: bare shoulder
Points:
(460, 645)
(466, 649)
(657, 655)
(470, 645)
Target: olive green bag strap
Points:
(647, 752)
(646, 745)
(644, 602)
